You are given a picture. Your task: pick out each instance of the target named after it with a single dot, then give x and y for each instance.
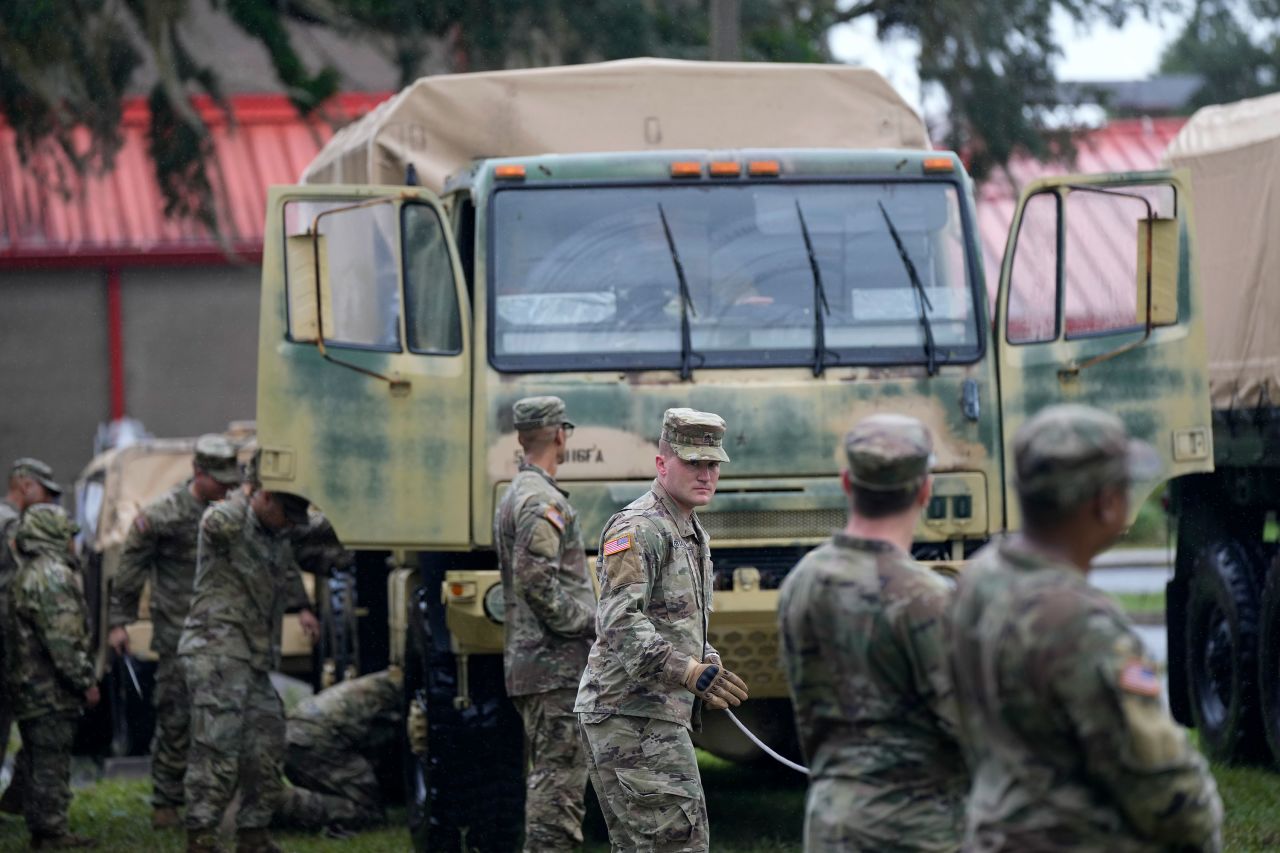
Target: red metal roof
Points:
(118, 218)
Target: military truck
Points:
(776, 243)
(1223, 602)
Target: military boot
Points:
(203, 841)
(256, 841)
(61, 842)
(165, 817)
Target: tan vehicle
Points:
(110, 491)
(778, 244)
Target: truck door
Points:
(1098, 305)
(364, 382)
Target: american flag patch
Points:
(617, 546)
(1138, 677)
(553, 515)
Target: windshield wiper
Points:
(925, 306)
(686, 303)
(820, 306)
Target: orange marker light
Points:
(686, 169)
(725, 169)
(763, 168)
(939, 164)
(510, 172)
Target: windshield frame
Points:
(895, 356)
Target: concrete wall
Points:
(54, 382)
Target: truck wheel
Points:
(467, 792)
(1222, 646)
(1269, 659)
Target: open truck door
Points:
(365, 327)
(1098, 305)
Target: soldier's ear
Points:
(846, 483)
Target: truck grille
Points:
(754, 655)
(795, 524)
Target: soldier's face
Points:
(690, 484)
(33, 492)
(209, 489)
(269, 509)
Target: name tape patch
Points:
(617, 546)
(1138, 677)
(553, 515)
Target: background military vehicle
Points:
(1223, 603)
(775, 243)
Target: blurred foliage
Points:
(66, 65)
(1234, 45)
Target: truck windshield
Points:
(583, 277)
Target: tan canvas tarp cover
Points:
(1233, 152)
(442, 123)
(133, 477)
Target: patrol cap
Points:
(38, 471)
(216, 456)
(694, 436)
(295, 507)
(535, 412)
(1065, 453)
(888, 453)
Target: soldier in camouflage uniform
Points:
(335, 739)
(1061, 712)
(50, 672)
(30, 482)
(550, 622)
(230, 642)
(651, 662)
(861, 631)
(161, 549)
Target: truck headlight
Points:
(495, 604)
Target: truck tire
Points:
(1269, 659)
(467, 792)
(1221, 652)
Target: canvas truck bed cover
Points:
(440, 124)
(1233, 154)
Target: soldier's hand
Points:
(715, 685)
(118, 638)
(91, 697)
(310, 625)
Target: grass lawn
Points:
(753, 810)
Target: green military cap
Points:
(888, 453)
(535, 412)
(1065, 453)
(47, 523)
(694, 436)
(216, 456)
(38, 471)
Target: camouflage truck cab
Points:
(790, 288)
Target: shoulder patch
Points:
(1138, 677)
(553, 515)
(618, 545)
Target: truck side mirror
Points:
(310, 307)
(1158, 271)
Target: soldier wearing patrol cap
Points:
(30, 482)
(861, 633)
(652, 668)
(550, 622)
(1061, 714)
(161, 549)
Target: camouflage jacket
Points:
(245, 581)
(550, 603)
(48, 665)
(361, 715)
(1062, 718)
(655, 597)
(861, 634)
(160, 548)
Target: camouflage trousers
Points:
(843, 814)
(237, 738)
(556, 765)
(173, 734)
(46, 770)
(329, 785)
(646, 777)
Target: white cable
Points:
(781, 759)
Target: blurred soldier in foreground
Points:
(161, 548)
(1070, 745)
(50, 672)
(651, 667)
(335, 739)
(230, 643)
(861, 630)
(550, 622)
